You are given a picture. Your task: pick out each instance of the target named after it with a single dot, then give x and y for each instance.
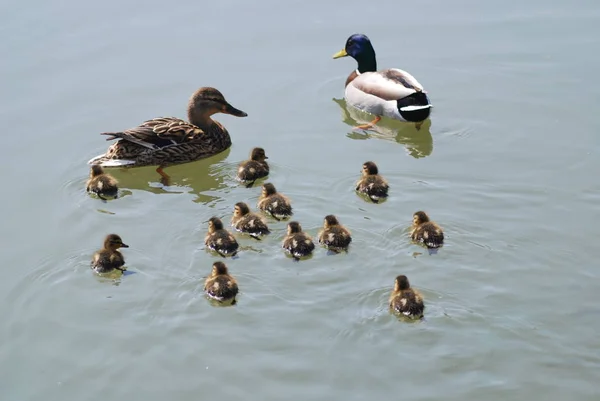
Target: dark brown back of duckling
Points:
(297, 243)
(274, 203)
(334, 235)
(220, 285)
(101, 183)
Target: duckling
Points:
(220, 285)
(297, 243)
(406, 300)
(371, 183)
(101, 183)
(219, 239)
(109, 258)
(426, 232)
(274, 203)
(251, 170)
(247, 222)
(334, 235)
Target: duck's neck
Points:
(200, 118)
(367, 62)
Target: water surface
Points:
(506, 165)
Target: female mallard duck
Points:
(297, 243)
(247, 222)
(251, 170)
(109, 258)
(406, 300)
(426, 232)
(219, 239)
(274, 203)
(391, 93)
(101, 183)
(166, 141)
(220, 285)
(334, 236)
(371, 183)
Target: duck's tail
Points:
(415, 107)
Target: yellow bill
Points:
(341, 53)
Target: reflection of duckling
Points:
(220, 285)
(406, 300)
(109, 258)
(274, 203)
(251, 170)
(297, 242)
(247, 222)
(219, 239)
(426, 232)
(334, 235)
(371, 183)
(101, 183)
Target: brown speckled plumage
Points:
(371, 183)
(101, 183)
(109, 258)
(297, 243)
(256, 167)
(220, 285)
(247, 222)
(219, 239)
(274, 203)
(166, 141)
(406, 300)
(334, 236)
(426, 232)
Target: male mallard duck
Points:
(274, 203)
(109, 258)
(371, 183)
(251, 170)
(334, 235)
(391, 93)
(220, 285)
(247, 222)
(297, 243)
(425, 231)
(166, 141)
(219, 239)
(406, 300)
(101, 183)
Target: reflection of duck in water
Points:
(418, 143)
(392, 92)
(199, 178)
(167, 141)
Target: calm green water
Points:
(507, 166)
